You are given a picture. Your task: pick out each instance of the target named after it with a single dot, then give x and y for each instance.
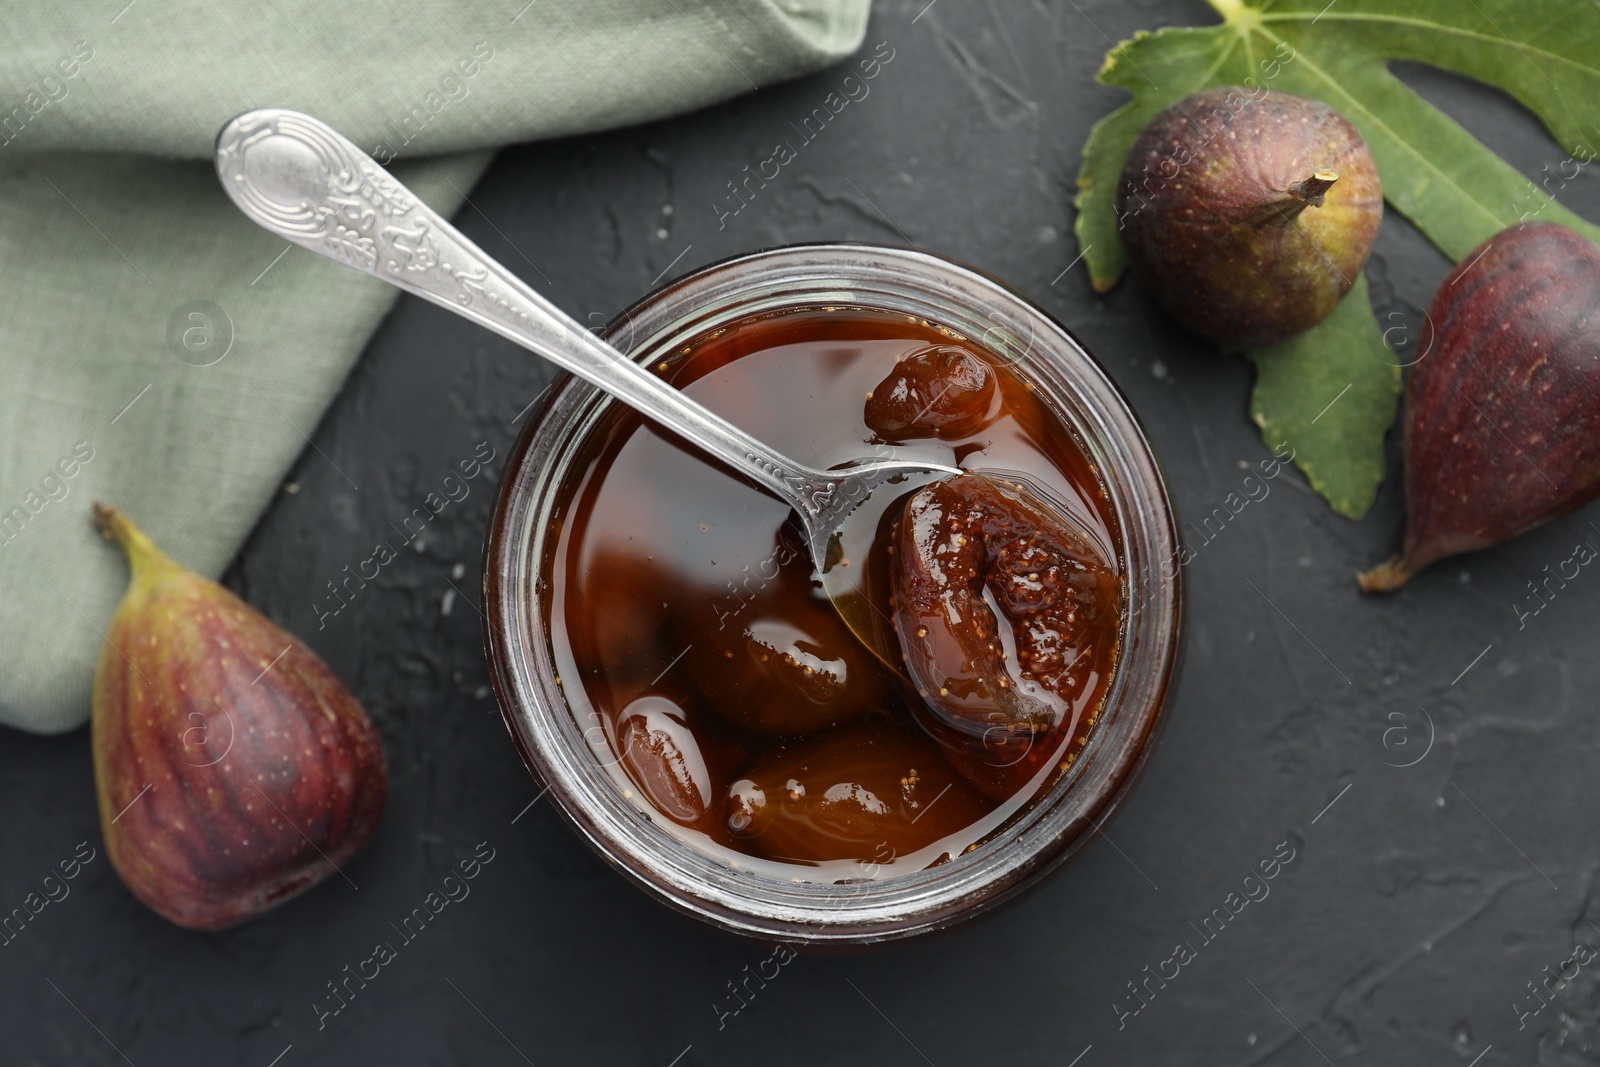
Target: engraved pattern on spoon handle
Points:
(295, 176)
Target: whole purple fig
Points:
(1502, 425)
(1248, 216)
(233, 769)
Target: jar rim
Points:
(1047, 831)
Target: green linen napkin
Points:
(161, 352)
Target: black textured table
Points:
(1419, 904)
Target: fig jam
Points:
(716, 682)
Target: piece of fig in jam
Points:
(1003, 760)
(869, 792)
(783, 663)
(1000, 608)
(624, 628)
(663, 757)
(937, 391)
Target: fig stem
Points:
(1386, 577)
(143, 555)
(1313, 189)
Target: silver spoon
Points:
(294, 175)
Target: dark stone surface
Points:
(1416, 910)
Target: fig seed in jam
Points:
(718, 684)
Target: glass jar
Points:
(572, 757)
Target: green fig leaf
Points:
(1329, 394)
(1456, 190)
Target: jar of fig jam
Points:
(671, 671)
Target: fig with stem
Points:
(1248, 213)
(1502, 422)
(234, 770)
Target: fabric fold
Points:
(164, 354)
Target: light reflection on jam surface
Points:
(716, 682)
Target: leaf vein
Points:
(1438, 27)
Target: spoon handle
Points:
(294, 175)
